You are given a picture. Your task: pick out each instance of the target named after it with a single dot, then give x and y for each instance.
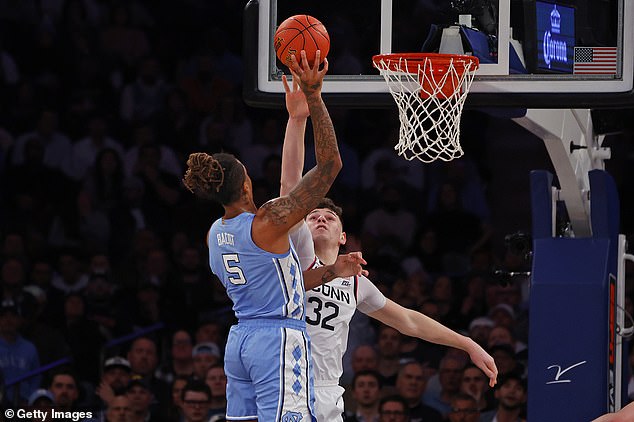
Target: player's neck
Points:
(327, 255)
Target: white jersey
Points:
(329, 309)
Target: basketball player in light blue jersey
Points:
(267, 360)
(332, 305)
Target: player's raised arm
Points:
(293, 147)
(415, 324)
(275, 218)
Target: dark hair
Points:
(330, 204)
(511, 376)
(64, 370)
(218, 177)
(367, 373)
(394, 398)
(197, 386)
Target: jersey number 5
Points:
(236, 276)
(318, 309)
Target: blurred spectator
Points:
(24, 109)
(450, 378)
(204, 88)
(65, 388)
(39, 329)
(366, 390)
(265, 145)
(479, 330)
(505, 360)
(502, 335)
(114, 381)
(388, 347)
(382, 166)
(205, 355)
(18, 356)
(6, 143)
(121, 40)
(104, 180)
(443, 294)
(410, 384)
(143, 358)
(217, 382)
(475, 384)
(389, 229)
(463, 174)
(70, 276)
(12, 279)
(195, 284)
(196, 400)
(41, 400)
(464, 408)
(119, 409)
(37, 193)
(144, 133)
(57, 147)
(9, 72)
(83, 226)
(144, 99)
(174, 413)
(510, 392)
(209, 332)
(43, 64)
(83, 337)
(424, 252)
(87, 150)
(177, 127)
(393, 409)
(459, 230)
(162, 189)
(13, 246)
(141, 398)
(180, 361)
(472, 304)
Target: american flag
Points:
(595, 61)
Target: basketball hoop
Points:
(430, 90)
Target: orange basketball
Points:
(301, 32)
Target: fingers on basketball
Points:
(301, 32)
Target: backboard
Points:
(533, 53)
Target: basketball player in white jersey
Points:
(330, 307)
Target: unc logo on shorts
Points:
(292, 417)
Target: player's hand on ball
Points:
(310, 78)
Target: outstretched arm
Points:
(293, 147)
(275, 218)
(415, 324)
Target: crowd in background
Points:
(100, 104)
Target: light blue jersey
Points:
(267, 358)
(260, 284)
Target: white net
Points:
(430, 94)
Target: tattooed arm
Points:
(275, 218)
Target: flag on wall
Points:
(595, 61)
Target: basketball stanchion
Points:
(430, 90)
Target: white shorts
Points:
(328, 402)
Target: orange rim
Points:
(411, 62)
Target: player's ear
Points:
(342, 238)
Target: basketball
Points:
(301, 32)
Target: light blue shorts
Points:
(269, 375)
